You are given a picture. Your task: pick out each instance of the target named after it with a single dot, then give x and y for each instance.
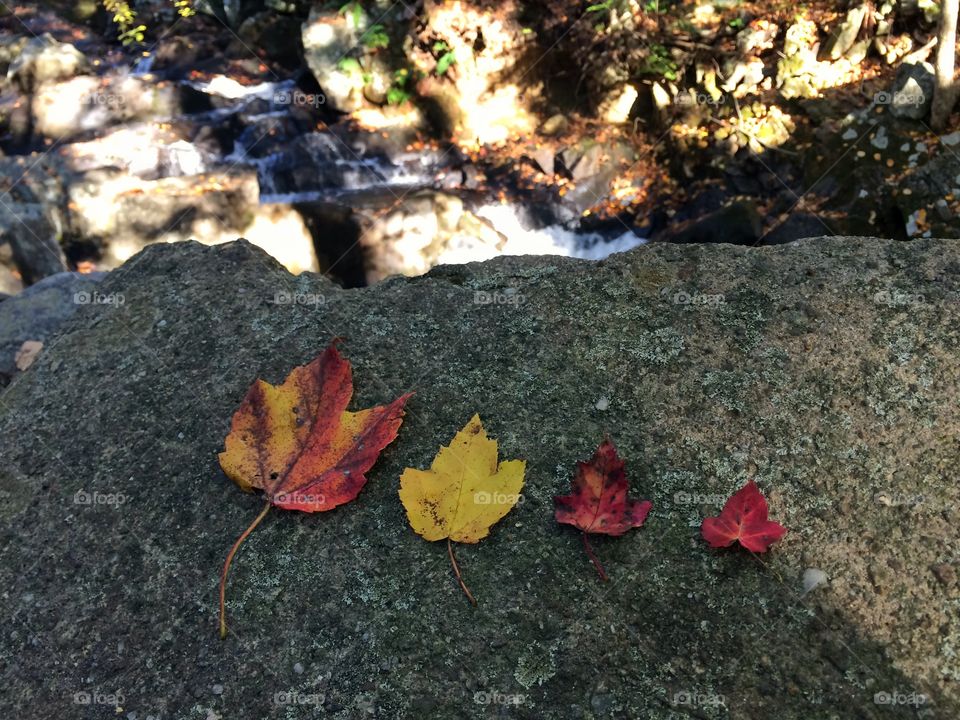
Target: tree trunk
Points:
(945, 95)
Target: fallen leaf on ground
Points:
(299, 444)
(599, 503)
(463, 493)
(27, 354)
(743, 518)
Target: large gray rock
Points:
(826, 369)
(912, 93)
(30, 226)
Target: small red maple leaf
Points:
(743, 518)
(599, 503)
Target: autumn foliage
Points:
(464, 492)
(599, 503)
(299, 444)
(744, 520)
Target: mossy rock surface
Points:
(825, 369)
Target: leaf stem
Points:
(226, 568)
(456, 570)
(593, 558)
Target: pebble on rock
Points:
(813, 577)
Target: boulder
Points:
(843, 37)
(486, 95)
(825, 369)
(86, 103)
(45, 60)
(124, 213)
(593, 166)
(31, 227)
(912, 92)
(39, 311)
(331, 41)
(422, 230)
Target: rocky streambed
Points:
(288, 126)
(106, 156)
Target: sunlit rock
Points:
(486, 93)
(554, 125)
(124, 214)
(845, 34)
(147, 150)
(334, 50)
(86, 103)
(42, 60)
(424, 230)
(616, 108)
(744, 76)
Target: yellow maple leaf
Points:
(463, 493)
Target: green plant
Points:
(124, 18)
(375, 37)
(349, 65)
(183, 8)
(446, 58)
(601, 7)
(354, 11)
(399, 93)
(660, 63)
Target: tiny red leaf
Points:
(599, 503)
(743, 518)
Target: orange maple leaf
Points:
(299, 444)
